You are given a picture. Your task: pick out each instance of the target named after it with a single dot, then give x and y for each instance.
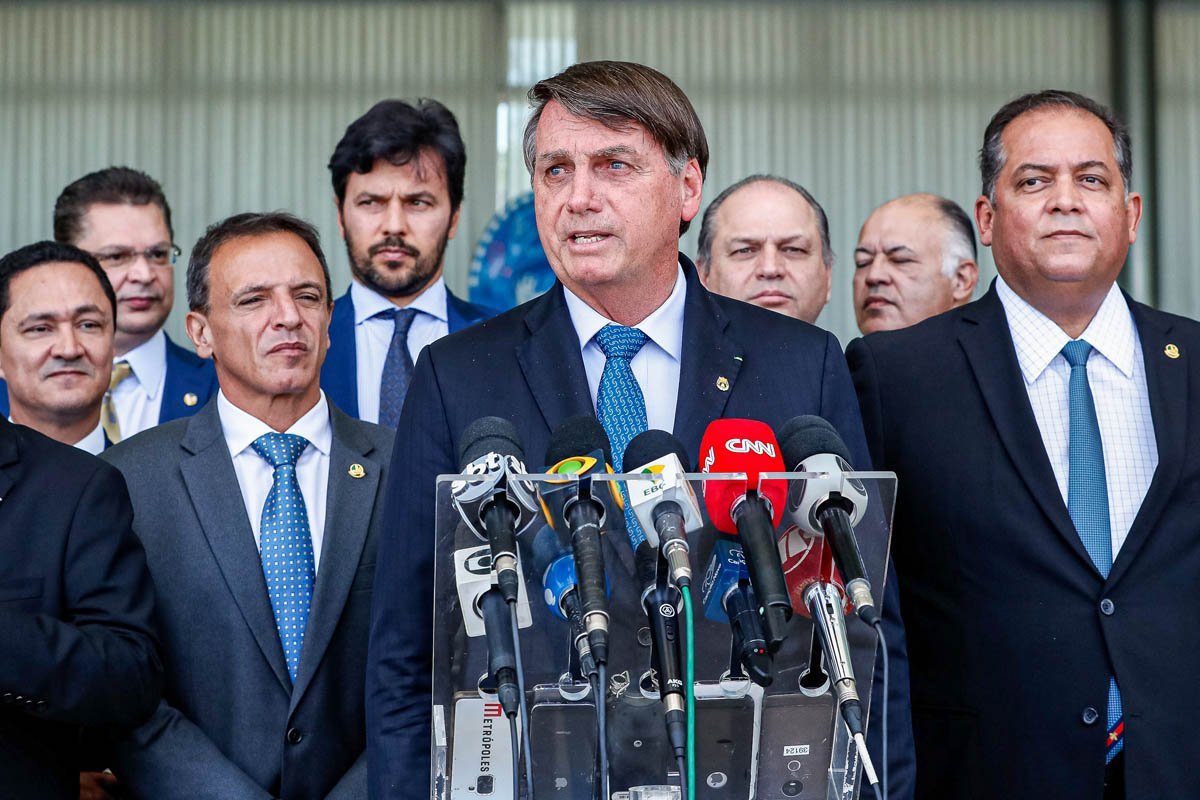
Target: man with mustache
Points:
(259, 516)
(765, 240)
(915, 258)
(56, 342)
(398, 188)
(121, 217)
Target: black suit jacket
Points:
(1008, 644)
(76, 612)
(526, 365)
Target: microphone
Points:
(577, 451)
(831, 504)
(497, 507)
(750, 509)
(502, 652)
(557, 570)
(661, 602)
(726, 594)
(664, 503)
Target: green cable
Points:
(690, 684)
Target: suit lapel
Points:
(708, 356)
(985, 338)
(1167, 384)
(10, 458)
(551, 360)
(184, 377)
(339, 373)
(349, 507)
(212, 485)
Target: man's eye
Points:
(554, 172)
(618, 164)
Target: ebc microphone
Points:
(496, 506)
(832, 504)
(664, 503)
(750, 509)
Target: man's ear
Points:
(966, 275)
(200, 333)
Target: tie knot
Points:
(402, 317)
(280, 449)
(617, 341)
(120, 371)
(1076, 352)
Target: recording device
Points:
(832, 504)
(577, 451)
(726, 594)
(664, 503)
(497, 506)
(661, 601)
(750, 509)
(556, 567)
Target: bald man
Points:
(915, 258)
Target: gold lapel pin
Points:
(356, 471)
(190, 399)
(723, 383)
(1171, 351)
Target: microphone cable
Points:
(516, 757)
(602, 728)
(878, 626)
(525, 746)
(689, 787)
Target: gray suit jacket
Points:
(231, 726)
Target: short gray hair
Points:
(959, 243)
(708, 222)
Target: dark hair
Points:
(115, 185)
(39, 253)
(246, 225)
(992, 155)
(708, 222)
(962, 230)
(398, 133)
(617, 94)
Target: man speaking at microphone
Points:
(617, 158)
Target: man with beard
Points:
(121, 217)
(398, 181)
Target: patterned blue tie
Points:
(286, 542)
(1087, 499)
(620, 404)
(397, 367)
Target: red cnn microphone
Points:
(750, 509)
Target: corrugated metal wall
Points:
(238, 106)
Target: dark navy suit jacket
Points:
(526, 365)
(187, 374)
(339, 374)
(1010, 644)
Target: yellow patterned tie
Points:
(108, 411)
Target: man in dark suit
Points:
(612, 198)
(1048, 474)
(259, 516)
(121, 217)
(398, 186)
(77, 644)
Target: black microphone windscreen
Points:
(803, 437)
(652, 445)
(489, 435)
(577, 436)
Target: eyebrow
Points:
(50, 316)
(887, 251)
(605, 152)
(790, 237)
(266, 287)
(1030, 167)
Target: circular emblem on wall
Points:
(509, 266)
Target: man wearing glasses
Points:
(121, 216)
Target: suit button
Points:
(294, 736)
(40, 705)
(1090, 715)
(1107, 607)
(7, 697)
(643, 637)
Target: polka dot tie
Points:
(1087, 498)
(397, 367)
(620, 404)
(286, 542)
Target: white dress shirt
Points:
(373, 337)
(255, 475)
(1117, 376)
(138, 398)
(94, 442)
(656, 366)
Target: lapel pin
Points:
(723, 383)
(1171, 351)
(190, 399)
(356, 471)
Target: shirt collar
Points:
(368, 303)
(664, 326)
(1038, 339)
(94, 442)
(148, 361)
(241, 428)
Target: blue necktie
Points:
(397, 367)
(1087, 499)
(620, 404)
(286, 543)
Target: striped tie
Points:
(108, 409)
